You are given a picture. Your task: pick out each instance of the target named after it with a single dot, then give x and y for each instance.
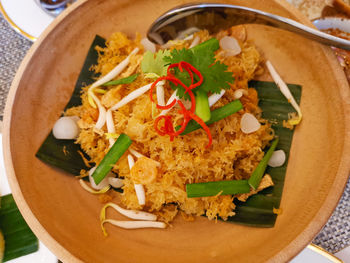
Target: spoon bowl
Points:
(213, 17)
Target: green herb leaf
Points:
(126, 80)
(19, 239)
(117, 150)
(154, 63)
(202, 57)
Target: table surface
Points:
(334, 236)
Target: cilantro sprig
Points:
(154, 64)
(202, 57)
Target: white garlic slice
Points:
(277, 159)
(65, 128)
(231, 45)
(249, 123)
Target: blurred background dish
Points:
(26, 17)
(31, 17)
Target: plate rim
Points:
(290, 251)
(16, 27)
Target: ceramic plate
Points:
(26, 17)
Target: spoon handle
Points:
(219, 16)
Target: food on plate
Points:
(176, 127)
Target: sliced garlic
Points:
(65, 128)
(239, 93)
(231, 45)
(277, 159)
(249, 123)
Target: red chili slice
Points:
(168, 128)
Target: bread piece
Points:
(342, 6)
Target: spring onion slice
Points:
(133, 214)
(202, 105)
(218, 187)
(126, 80)
(115, 152)
(259, 171)
(286, 92)
(216, 115)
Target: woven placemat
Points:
(13, 48)
(334, 236)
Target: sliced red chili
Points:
(168, 128)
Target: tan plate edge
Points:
(344, 167)
(334, 196)
(29, 217)
(14, 25)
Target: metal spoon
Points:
(215, 17)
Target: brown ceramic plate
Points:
(65, 217)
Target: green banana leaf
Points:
(258, 210)
(64, 154)
(19, 239)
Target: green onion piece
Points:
(126, 80)
(202, 105)
(216, 115)
(117, 150)
(259, 171)
(19, 239)
(211, 44)
(219, 187)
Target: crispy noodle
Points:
(232, 156)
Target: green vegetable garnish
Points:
(202, 105)
(202, 57)
(117, 150)
(126, 80)
(219, 187)
(259, 171)
(216, 115)
(154, 63)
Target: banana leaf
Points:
(19, 239)
(64, 154)
(258, 210)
